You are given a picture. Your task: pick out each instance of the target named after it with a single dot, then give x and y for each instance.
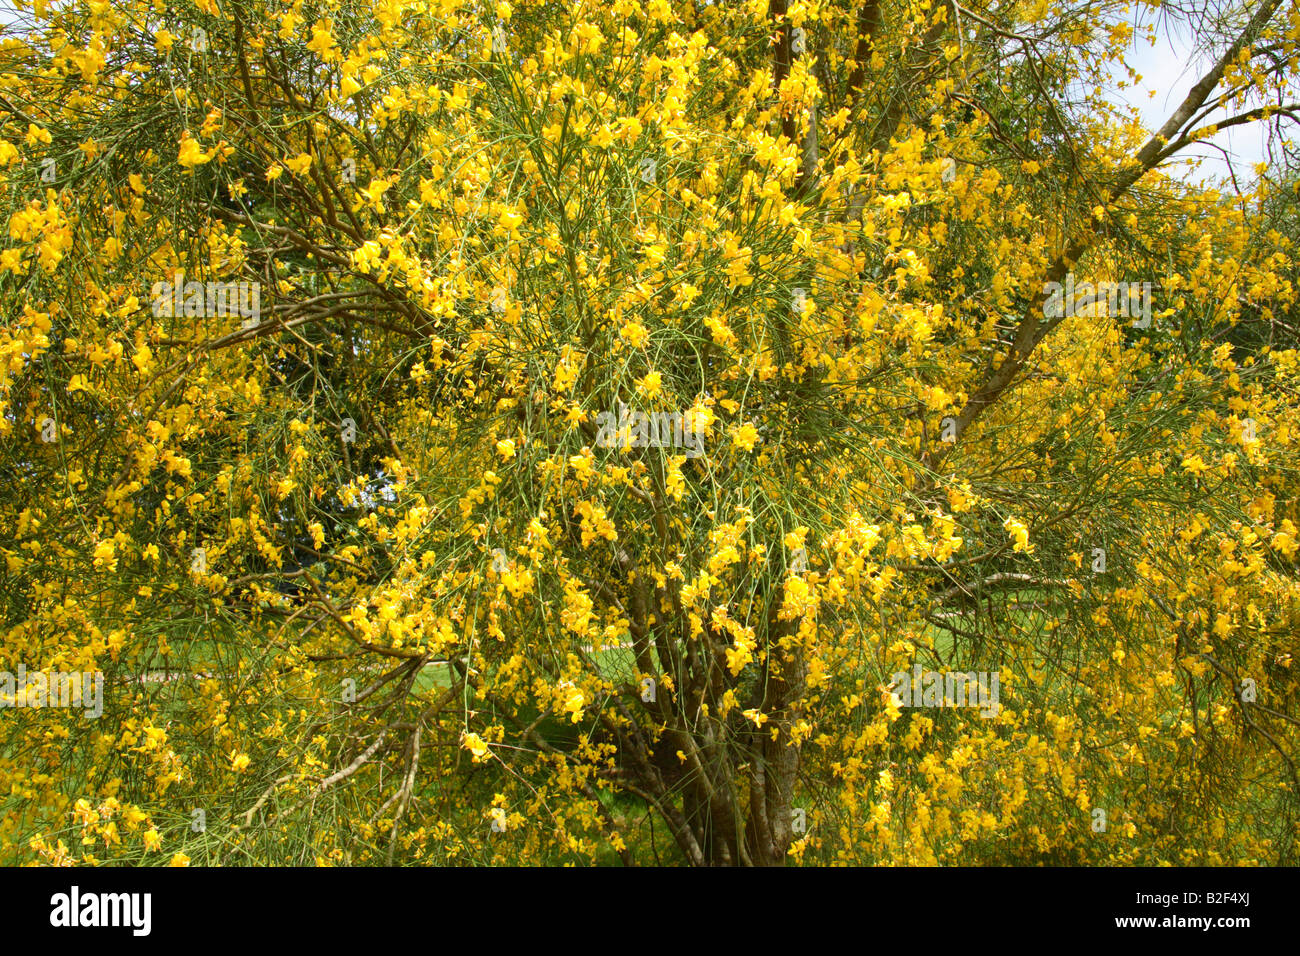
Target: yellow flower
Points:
(573, 704)
(152, 841)
(180, 859)
(746, 436)
(299, 164)
(700, 418)
(506, 449)
(634, 333)
(1285, 540)
(475, 745)
(104, 555)
(652, 384)
(191, 154)
(132, 816)
(322, 42)
(143, 359)
(581, 465)
(239, 763)
(375, 192)
(740, 655)
(1020, 534)
(509, 221)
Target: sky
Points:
(1169, 68)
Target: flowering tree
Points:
(532, 433)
